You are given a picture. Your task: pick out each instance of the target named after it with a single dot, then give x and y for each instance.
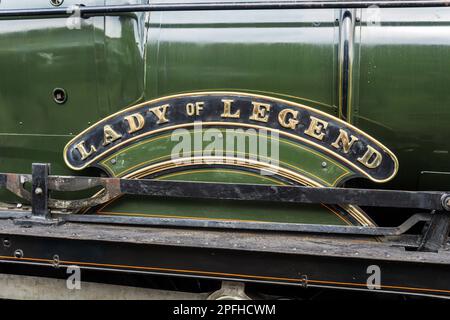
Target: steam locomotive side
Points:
(306, 95)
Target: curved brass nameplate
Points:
(302, 124)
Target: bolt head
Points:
(38, 191)
(446, 202)
(18, 253)
(6, 242)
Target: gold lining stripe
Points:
(140, 214)
(248, 276)
(296, 177)
(104, 162)
(155, 160)
(196, 218)
(356, 214)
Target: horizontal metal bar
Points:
(25, 218)
(89, 11)
(113, 187)
(432, 200)
(248, 225)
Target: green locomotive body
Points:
(337, 97)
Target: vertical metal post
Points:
(39, 195)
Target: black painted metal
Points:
(430, 200)
(86, 11)
(243, 225)
(436, 232)
(327, 263)
(427, 200)
(40, 192)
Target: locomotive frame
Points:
(298, 254)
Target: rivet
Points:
(56, 261)
(113, 161)
(324, 164)
(6, 242)
(18, 254)
(38, 191)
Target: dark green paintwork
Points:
(268, 212)
(293, 156)
(401, 77)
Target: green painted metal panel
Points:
(400, 83)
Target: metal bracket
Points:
(435, 232)
(40, 214)
(39, 190)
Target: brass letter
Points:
(365, 159)
(346, 143)
(292, 122)
(135, 121)
(82, 150)
(260, 111)
(194, 108)
(227, 110)
(160, 113)
(109, 135)
(315, 128)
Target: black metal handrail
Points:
(113, 187)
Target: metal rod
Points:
(24, 218)
(89, 11)
(250, 225)
(345, 62)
